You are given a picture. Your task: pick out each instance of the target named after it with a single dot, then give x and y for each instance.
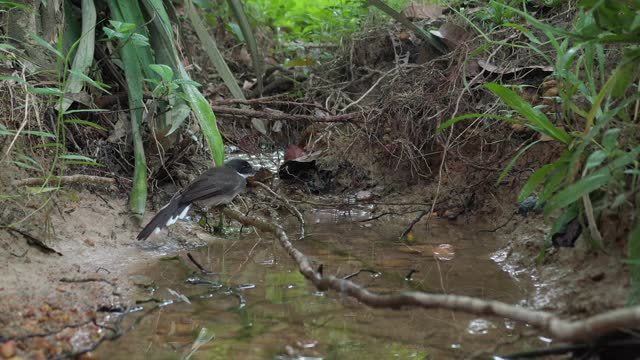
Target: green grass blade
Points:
(457, 119)
(513, 160)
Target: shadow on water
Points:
(283, 317)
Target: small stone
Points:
(8, 349)
(364, 195)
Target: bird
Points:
(216, 186)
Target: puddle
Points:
(259, 306)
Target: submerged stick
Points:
(556, 327)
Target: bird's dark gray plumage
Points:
(216, 186)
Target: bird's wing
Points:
(213, 182)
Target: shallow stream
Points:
(258, 306)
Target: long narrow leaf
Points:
(513, 160)
(634, 264)
(84, 53)
(252, 45)
(536, 117)
(575, 191)
(456, 119)
(135, 80)
(211, 48)
(536, 179)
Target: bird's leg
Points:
(219, 229)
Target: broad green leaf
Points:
(575, 191)
(164, 71)
(595, 159)
(610, 139)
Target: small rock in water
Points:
(529, 205)
(364, 195)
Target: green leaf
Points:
(47, 46)
(45, 91)
(38, 133)
(76, 157)
(634, 267)
(569, 214)
(252, 44)
(83, 56)
(40, 189)
(514, 159)
(610, 139)
(165, 72)
(595, 159)
(457, 119)
(575, 191)
(14, 78)
(85, 122)
(537, 120)
(536, 179)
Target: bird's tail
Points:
(168, 215)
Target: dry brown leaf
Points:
(506, 70)
(429, 12)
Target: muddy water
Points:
(259, 307)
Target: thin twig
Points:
(292, 209)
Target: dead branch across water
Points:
(565, 330)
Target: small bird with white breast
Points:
(216, 186)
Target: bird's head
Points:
(243, 167)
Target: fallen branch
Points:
(65, 180)
(272, 115)
(292, 209)
(557, 328)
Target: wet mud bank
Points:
(64, 304)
